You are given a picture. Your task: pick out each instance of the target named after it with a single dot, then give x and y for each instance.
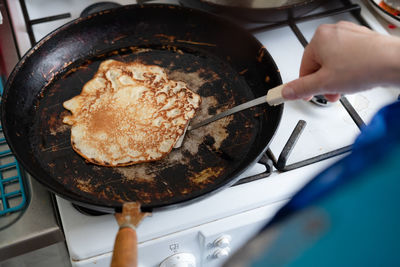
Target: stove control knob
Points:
(221, 253)
(223, 241)
(179, 260)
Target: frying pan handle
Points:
(125, 248)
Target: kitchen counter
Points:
(38, 226)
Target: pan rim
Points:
(263, 9)
(70, 195)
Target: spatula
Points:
(273, 98)
(125, 246)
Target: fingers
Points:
(353, 27)
(331, 62)
(303, 87)
(332, 97)
(309, 62)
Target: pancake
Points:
(129, 113)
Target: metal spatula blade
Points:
(273, 98)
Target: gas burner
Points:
(320, 100)
(88, 211)
(98, 7)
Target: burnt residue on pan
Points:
(219, 58)
(208, 155)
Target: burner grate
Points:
(29, 23)
(280, 164)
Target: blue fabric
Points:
(375, 141)
(349, 214)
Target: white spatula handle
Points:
(274, 96)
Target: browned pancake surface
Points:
(129, 113)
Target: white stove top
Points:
(238, 211)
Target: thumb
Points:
(303, 87)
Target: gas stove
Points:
(310, 138)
